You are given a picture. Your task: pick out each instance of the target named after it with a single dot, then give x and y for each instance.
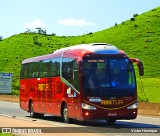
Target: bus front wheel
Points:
(66, 119)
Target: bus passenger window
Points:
(45, 68)
(23, 68)
(34, 69)
(55, 67)
(27, 70)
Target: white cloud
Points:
(36, 23)
(74, 22)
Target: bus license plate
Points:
(112, 114)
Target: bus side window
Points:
(27, 70)
(55, 67)
(34, 69)
(22, 75)
(67, 68)
(44, 69)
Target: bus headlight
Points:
(133, 106)
(88, 107)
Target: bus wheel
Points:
(32, 113)
(31, 110)
(110, 121)
(66, 119)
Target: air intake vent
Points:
(97, 44)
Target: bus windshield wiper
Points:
(125, 91)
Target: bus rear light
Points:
(88, 107)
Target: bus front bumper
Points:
(91, 115)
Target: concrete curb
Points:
(11, 98)
(144, 107)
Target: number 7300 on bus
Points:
(85, 82)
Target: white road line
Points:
(8, 102)
(15, 117)
(38, 121)
(13, 107)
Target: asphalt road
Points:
(122, 127)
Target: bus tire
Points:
(66, 119)
(110, 121)
(32, 113)
(31, 110)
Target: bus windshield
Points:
(108, 76)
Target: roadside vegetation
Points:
(6, 134)
(138, 37)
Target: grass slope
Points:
(138, 38)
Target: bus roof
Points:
(82, 49)
(97, 48)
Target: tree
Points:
(28, 30)
(1, 37)
(132, 19)
(135, 15)
(53, 34)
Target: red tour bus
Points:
(84, 82)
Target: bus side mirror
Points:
(139, 64)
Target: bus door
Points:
(71, 79)
(73, 103)
(76, 94)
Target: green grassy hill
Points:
(139, 37)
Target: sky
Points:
(67, 17)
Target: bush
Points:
(135, 15)
(154, 9)
(1, 38)
(132, 19)
(53, 34)
(135, 25)
(15, 85)
(15, 92)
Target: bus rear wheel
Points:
(32, 113)
(66, 119)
